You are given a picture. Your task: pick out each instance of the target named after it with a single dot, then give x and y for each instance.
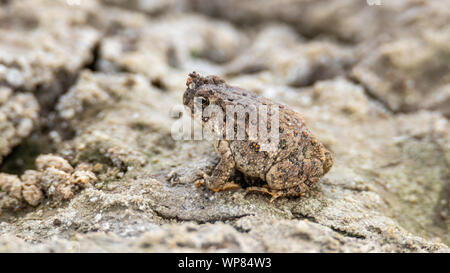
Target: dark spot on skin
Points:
(205, 102)
(282, 144)
(255, 146)
(304, 150)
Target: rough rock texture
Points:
(403, 46)
(295, 62)
(34, 49)
(416, 69)
(171, 43)
(121, 174)
(55, 179)
(18, 116)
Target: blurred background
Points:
(93, 83)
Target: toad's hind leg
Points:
(294, 175)
(275, 193)
(222, 172)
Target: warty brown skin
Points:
(297, 164)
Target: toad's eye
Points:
(205, 102)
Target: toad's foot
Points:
(227, 186)
(199, 183)
(202, 180)
(274, 193)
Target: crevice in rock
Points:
(372, 96)
(224, 218)
(48, 94)
(211, 220)
(348, 234)
(23, 156)
(240, 229)
(93, 64)
(159, 84)
(300, 216)
(50, 120)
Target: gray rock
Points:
(388, 190)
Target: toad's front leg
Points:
(220, 175)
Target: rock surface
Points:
(19, 114)
(102, 86)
